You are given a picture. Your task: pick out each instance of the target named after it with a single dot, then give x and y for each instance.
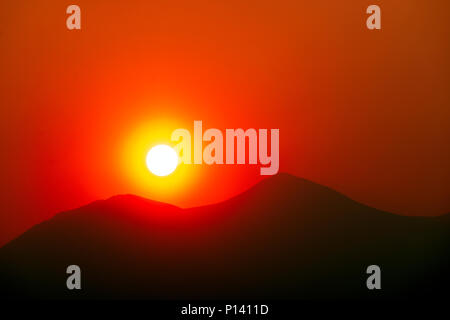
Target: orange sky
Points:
(364, 112)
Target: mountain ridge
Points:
(284, 237)
(282, 174)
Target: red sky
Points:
(364, 112)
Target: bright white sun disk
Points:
(162, 160)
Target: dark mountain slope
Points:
(284, 238)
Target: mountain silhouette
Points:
(285, 237)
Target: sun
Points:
(162, 160)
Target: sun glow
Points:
(162, 160)
(137, 178)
